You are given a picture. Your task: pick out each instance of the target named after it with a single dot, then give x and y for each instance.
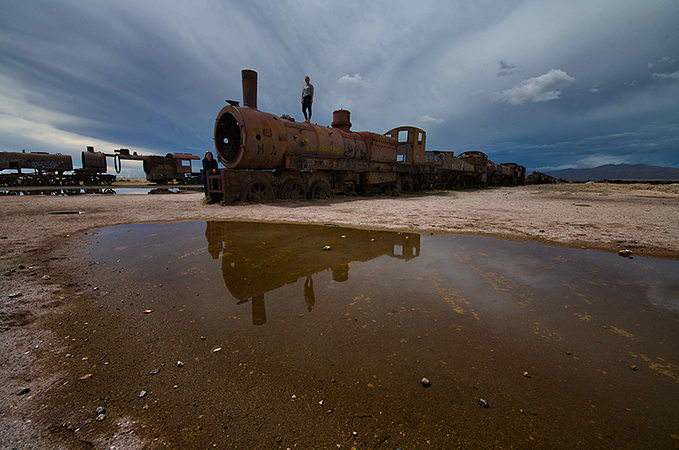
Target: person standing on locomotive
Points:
(210, 166)
(307, 98)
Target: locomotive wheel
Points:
(292, 190)
(407, 185)
(320, 190)
(256, 190)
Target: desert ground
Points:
(38, 266)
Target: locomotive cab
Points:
(411, 144)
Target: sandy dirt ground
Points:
(40, 274)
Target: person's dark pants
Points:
(306, 104)
(203, 177)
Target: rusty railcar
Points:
(161, 169)
(269, 157)
(46, 169)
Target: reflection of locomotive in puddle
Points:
(259, 257)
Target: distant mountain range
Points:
(640, 172)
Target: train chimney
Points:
(249, 88)
(340, 119)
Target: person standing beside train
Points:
(210, 166)
(307, 98)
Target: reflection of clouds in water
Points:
(665, 297)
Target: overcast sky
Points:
(547, 84)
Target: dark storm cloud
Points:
(152, 75)
(506, 69)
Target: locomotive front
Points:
(247, 138)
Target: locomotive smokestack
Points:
(249, 88)
(340, 119)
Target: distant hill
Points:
(640, 172)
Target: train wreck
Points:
(45, 169)
(269, 157)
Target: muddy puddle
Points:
(319, 337)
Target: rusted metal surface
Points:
(317, 161)
(411, 143)
(161, 169)
(449, 161)
(94, 161)
(251, 139)
(45, 169)
(249, 88)
(38, 161)
(539, 178)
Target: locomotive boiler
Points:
(268, 156)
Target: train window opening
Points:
(398, 250)
(400, 158)
(402, 136)
(186, 162)
(419, 137)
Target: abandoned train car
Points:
(269, 157)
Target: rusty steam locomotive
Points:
(269, 157)
(45, 169)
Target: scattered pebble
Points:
(101, 417)
(142, 393)
(425, 382)
(484, 403)
(216, 349)
(148, 311)
(526, 374)
(625, 252)
(24, 391)
(45, 277)
(95, 288)
(15, 295)
(85, 377)
(99, 410)
(321, 403)
(294, 397)
(180, 364)
(154, 372)
(634, 367)
(327, 247)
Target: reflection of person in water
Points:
(214, 239)
(309, 296)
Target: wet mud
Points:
(253, 335)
